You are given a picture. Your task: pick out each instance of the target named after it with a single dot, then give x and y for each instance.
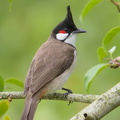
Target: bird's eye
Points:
(65, 29)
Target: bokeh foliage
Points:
(26, 24)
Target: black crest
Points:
(67, 23)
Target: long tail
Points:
(30, 108)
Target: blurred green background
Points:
(27, 24)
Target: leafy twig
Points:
(114, 63)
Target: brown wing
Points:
(52, 59)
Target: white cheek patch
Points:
(61, 36)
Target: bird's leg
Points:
(68, 90)
(66, 94)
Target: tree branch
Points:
(101, 106)
(53, 96)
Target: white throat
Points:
(71, 39)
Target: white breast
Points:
(58, 82)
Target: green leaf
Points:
(101, 54)
(15, 81)
(88, 7)
(108, 38)
(112, 50)
(92, 73)
(3, 107)
(1, 84)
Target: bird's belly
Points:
(58, 82)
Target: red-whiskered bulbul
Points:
(52, 64)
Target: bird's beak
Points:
(79, 31)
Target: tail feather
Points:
(33, 108)
(30, 108)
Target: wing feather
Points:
(45, 66)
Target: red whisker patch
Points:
(62, 31)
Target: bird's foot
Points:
(67, 93)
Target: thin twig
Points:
(116, 4)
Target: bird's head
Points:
(66, 28)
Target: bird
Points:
(52, 65)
